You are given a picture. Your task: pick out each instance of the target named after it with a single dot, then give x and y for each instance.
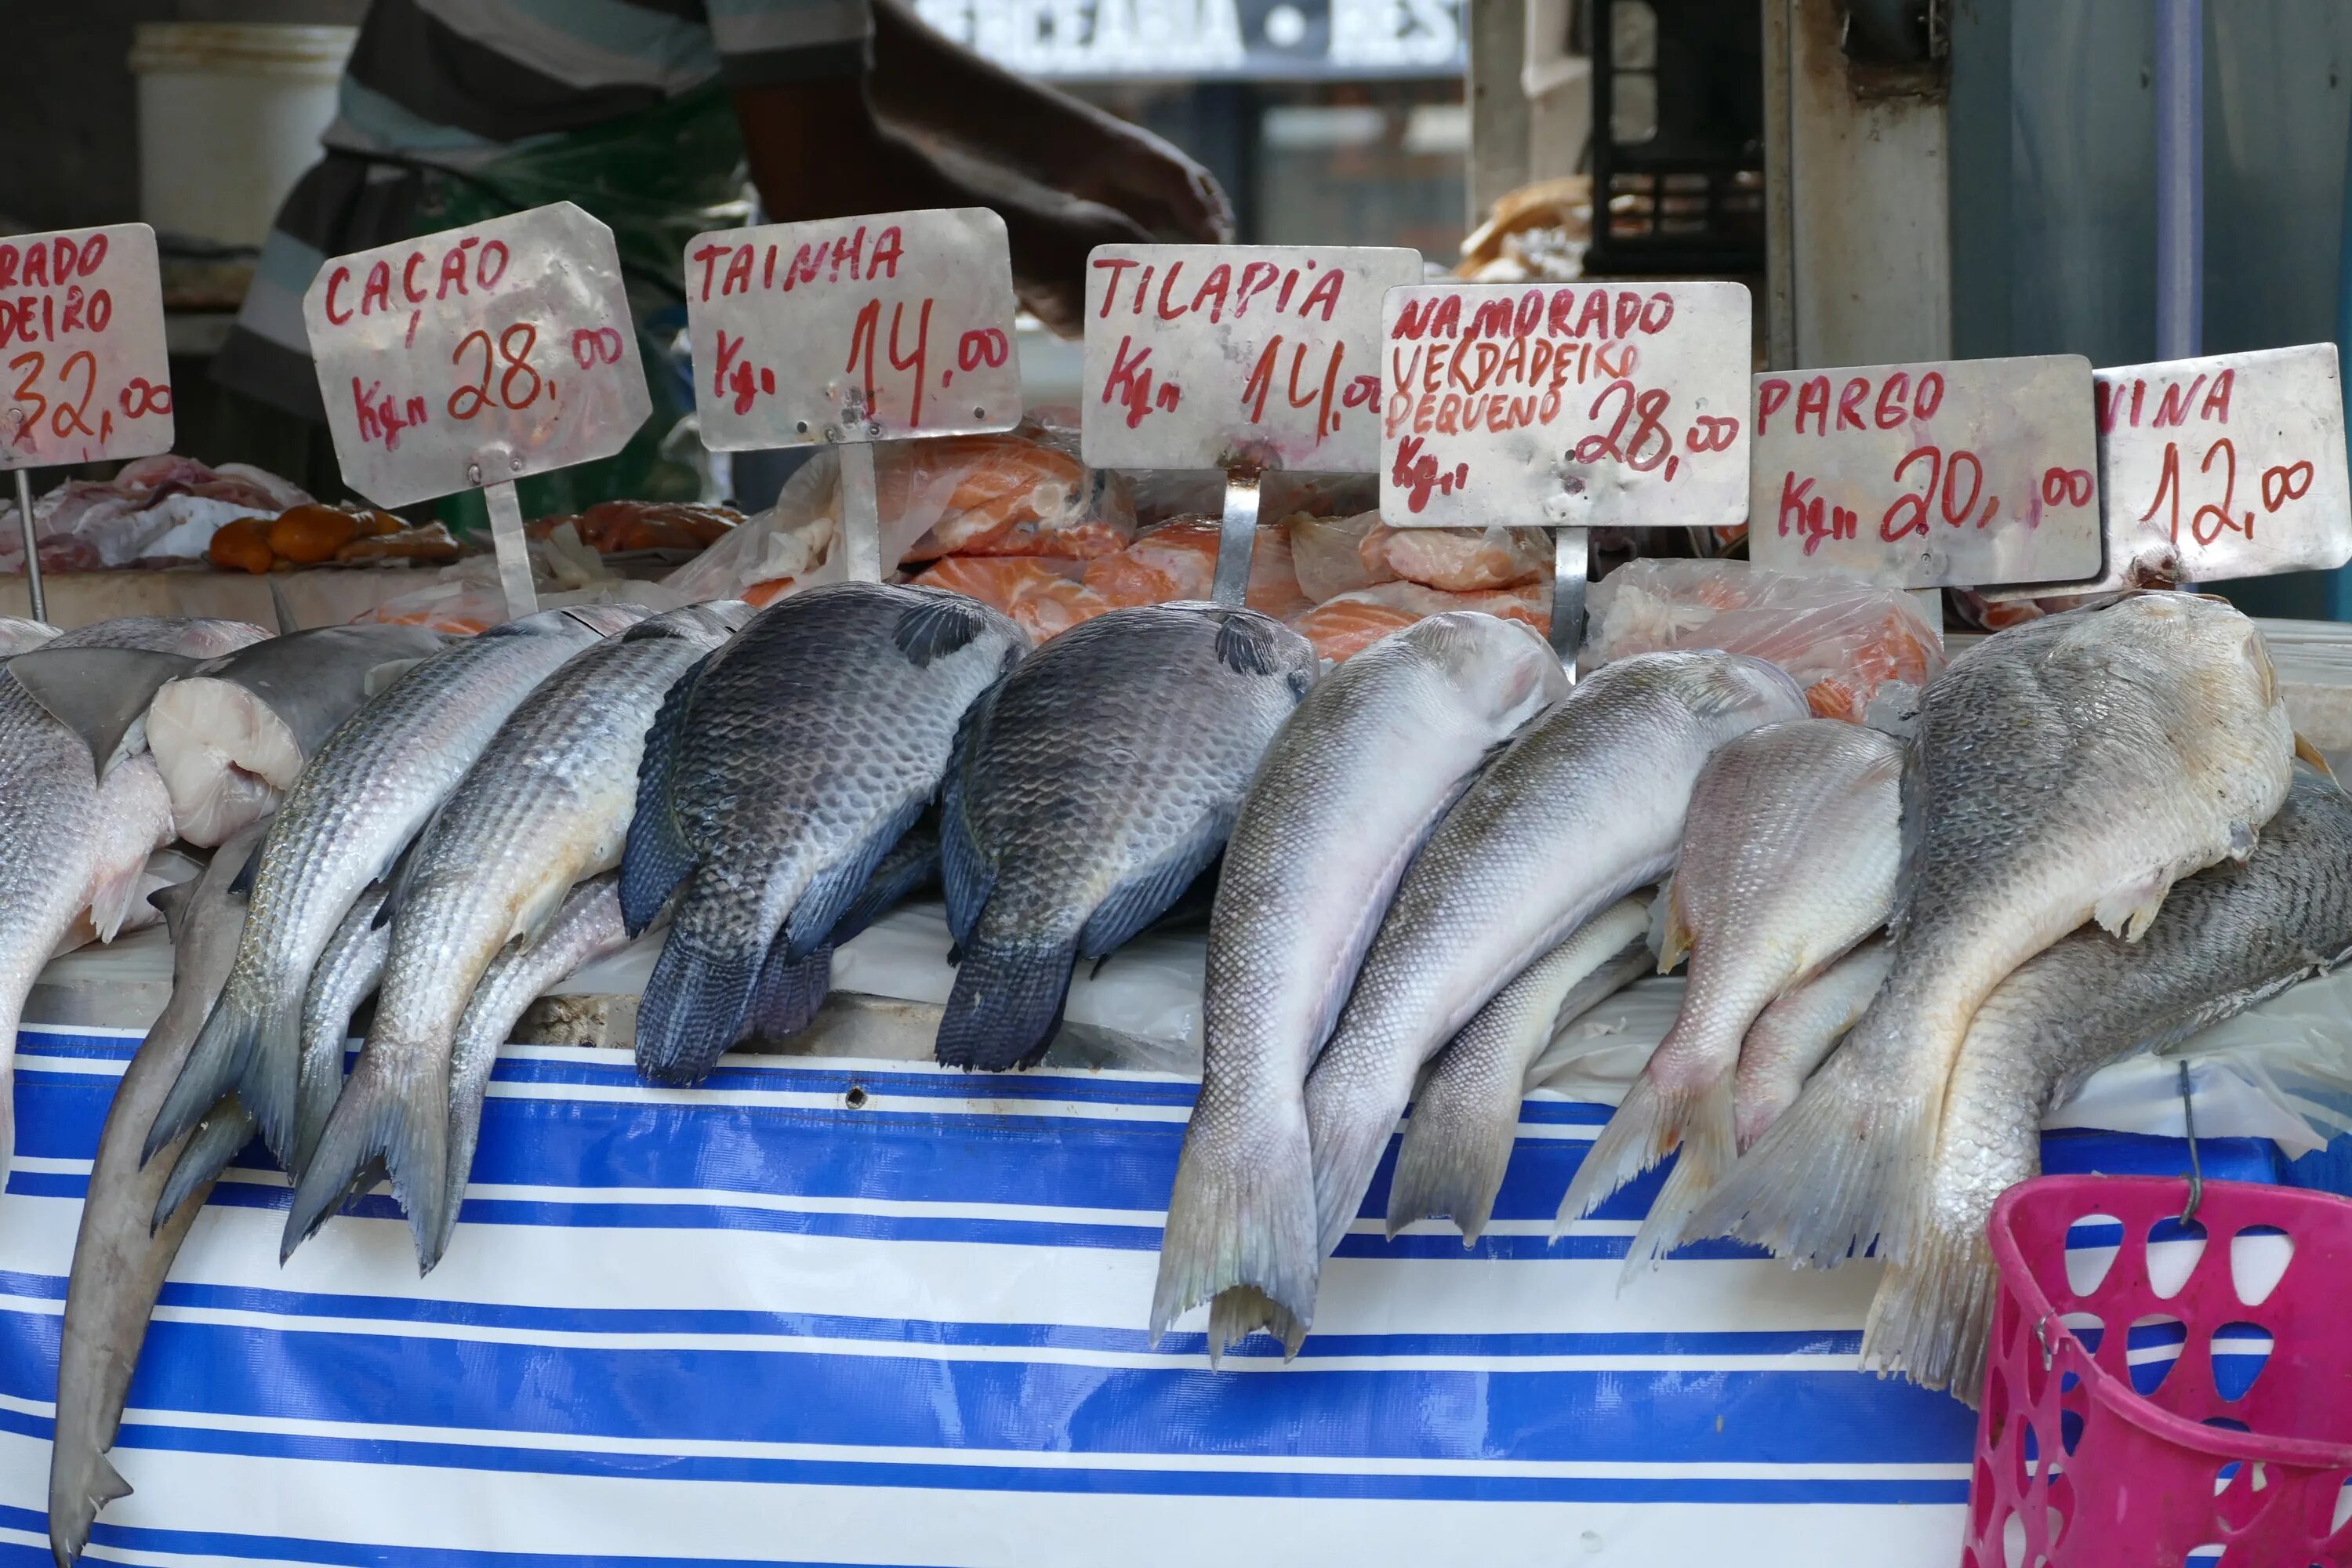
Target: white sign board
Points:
(2232, 466)
(477, 356)
(1951, 473)
(877, 328)
(1579, 407)
(1227, 356)
(84, 376)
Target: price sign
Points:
(876, 328)
(2232, 466)
(1236, 357)
(1954, 473)
(1569, 406)
(477, 356)
(81, 341)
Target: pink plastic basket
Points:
(2159, 1393)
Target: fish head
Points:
(1747, 690)
(1505, 665)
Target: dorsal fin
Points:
(287, 622)
(171, 901)
(100, 693)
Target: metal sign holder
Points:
(32, 547)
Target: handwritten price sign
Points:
(81, 344)
(1220, 356)
(1955, 473)
(1569, 406)
(885, 327)
(476, 356)
(2226, 467)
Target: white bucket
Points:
(229, 117)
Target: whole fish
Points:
(1585, 806)
(369, 790)
(2066, 770)
(1795, 1034)
(81, 806)
(776, 777)
(1788, 859)
(587, 927)
(1466, 1116)
(2225, 940)
(231, 735)
(1348, 790)
(18, 635)
(119, 1262)
(546, 804)
(346, 972)
(1094, 783)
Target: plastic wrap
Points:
(162, 509)
(1848, 643)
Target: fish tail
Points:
(692, 1011)
(1450, 1164)
(789, 993)
(1707, 1149)
(1239, 1216)
(1932, 1318)
(1830, 1174)
(1240, 1310)
(214, 1064)
(374, 1119)
(1347, 1140)
(1646, 1128)
(74, 1503)
(1007, 1001)
(207, 1153)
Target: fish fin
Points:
(2126, 910)
(965, 875)
(911, 864)
(2306, 751)
(788, 994)
(1931, 1319)
(372, 1119)
(834, 889)
(217, 1140)
(1647, 1125)
(289, 623)
(1147, 895)
(171, 901)
(1007, 1001)
(657, 857)
(692, 1010)
(1911, 830)
(1347, 1149)
(938, 628)
(1239, 1216)
(381, 679)
(214, 1063)
(1830, 1174)
(1249, 644)
(1450, 1166)
(401, 875)
(103, 1484)
(241, 885)
(1240, 1312)
(1670, 934)
(1708, 1147)
(98, 693)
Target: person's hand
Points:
(1051, 239)
(1168, 195)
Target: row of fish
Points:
(2088, 847)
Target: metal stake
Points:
(514, 553)
(1237, 537)
(861, 512)
(1571, 561)
(32, 550)
(2180, 178)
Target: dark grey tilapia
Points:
(1345, 795)
(2063, 771)
(119, 1262)
(776, 776)
(2225, 940)
(373, 784)
(1095, 783)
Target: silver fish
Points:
(81, 806)
(1466, 1115)
(231, 735)
(546, 804)
(1788, 859)
(1795, 1034)
(776, 777)
(18, 635)
(2225, 940)
(1348, 790)
(587, 927)
(119, 1262)
(1097, 781)
(2066, 770)
(373, 784)
(1583, 808)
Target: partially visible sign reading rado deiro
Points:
(1236, 357)
(1955, 473)
(476, 356)
(81, 343)
(877, 328)
(1565, 407)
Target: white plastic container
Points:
(229, 116)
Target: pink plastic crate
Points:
(2160, 1395)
